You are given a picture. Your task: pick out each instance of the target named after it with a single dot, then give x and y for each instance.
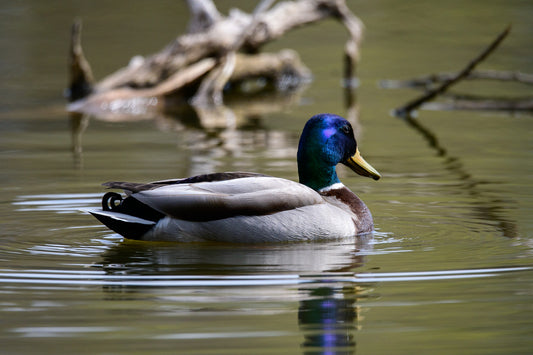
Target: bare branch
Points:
(429, 81)
(205, 60)
(81, 77)
(484, 104)
(413, 105)
(222, 36)
(204, 14)
(210, 91)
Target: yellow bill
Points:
(361, 167)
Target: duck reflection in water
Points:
(210, 258)
(328, 319)
(328, 314)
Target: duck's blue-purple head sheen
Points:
(326, 141)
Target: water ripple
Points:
(74, 278)
(60, 203)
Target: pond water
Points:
(449, 269)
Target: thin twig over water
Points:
(406, 110)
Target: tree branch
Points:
(221, 36)
(406, 110)
(80, 74)
(429, 81)
(205, 61)
(210, 91)
(204, 14)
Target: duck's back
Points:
(235, 207)
(247, 196)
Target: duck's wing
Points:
(209, 178)
(211, 200)
(131, 187)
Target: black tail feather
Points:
(130, 206)
(133, 228)
(128, 217)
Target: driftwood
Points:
(438, 85)
(217, 52)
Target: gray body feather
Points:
(251, 209)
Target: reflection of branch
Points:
(79, 123)
(208, 125)
(405, 110)
(429, 136)
(487, 210)
(351, 49)
(352, 109)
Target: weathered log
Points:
(210, 90)
(221, 36)
(124, 102)
(203, 15)
(214, 40)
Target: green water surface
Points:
(448, 270)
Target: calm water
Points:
(449, 269)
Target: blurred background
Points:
(447, 271)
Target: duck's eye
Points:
(346, 129)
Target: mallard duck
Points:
(249, 207)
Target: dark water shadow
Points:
(487, 208)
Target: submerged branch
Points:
(429, 81)
(406, 110)
(483, 104)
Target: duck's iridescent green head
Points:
(326, 141)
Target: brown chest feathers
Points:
(347, 200)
